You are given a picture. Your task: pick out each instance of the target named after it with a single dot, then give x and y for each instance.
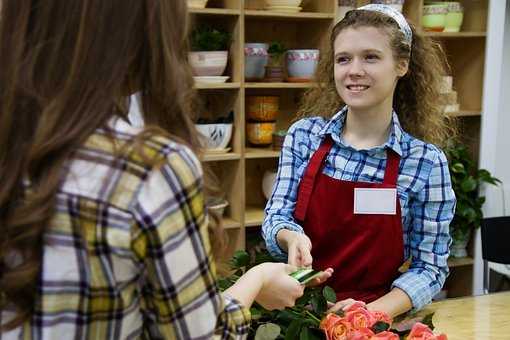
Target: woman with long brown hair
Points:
(103, 227)
(362, 185)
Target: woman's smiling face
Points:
(365, 70)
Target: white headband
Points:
(395, 15)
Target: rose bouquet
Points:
(309, 320)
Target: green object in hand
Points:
(305, 275)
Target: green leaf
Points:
(458, 168)
(293, 330)
(319, 304)
(240, 259)
(380, 326)
(329, 294)
(267, 331)
(427, 320)
(305, 334)
(469, 184)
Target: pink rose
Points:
(385, 336)
(423, 332)
(361, 334)
(382, 316)
(360, 318)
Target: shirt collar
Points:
(335, 124)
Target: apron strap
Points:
(307, 182)
(392, 165)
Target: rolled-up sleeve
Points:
(431, 210)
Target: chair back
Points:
(496, 239)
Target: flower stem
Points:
(313, 316)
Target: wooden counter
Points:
(479, 317)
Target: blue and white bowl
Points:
(214, 136)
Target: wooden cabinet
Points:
(241, 169)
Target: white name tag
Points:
(375, 201)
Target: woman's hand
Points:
(298, 247)
(343, 305)
(325, 275)
(279, 289)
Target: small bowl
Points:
(217, 205)
(262, 108)
(214, 136)
(208, 63)
(197, 3)
(301, 64)
(286, 3)
(260, 133)
(434, 17)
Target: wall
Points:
(495, 136)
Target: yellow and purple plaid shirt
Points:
(127, 254)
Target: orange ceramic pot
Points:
(260, 133)
(262, 108)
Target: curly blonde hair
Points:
(416, 95)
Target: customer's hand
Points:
(279, 289)
(298, 247)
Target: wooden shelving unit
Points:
(241, 170)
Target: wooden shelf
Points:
(465, 113)
(216, 86)
(279, 85)
(253, 216)
(251, 153)
(460, 261)
(227, 156)
(456, 34)
(286, 15)
(229, 223)
(215, 11)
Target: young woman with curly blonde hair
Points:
(362, 186)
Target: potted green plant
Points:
(209, 48)
(466, 181)
(274, 67)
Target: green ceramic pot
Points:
(434, 17)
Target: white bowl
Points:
(197, 3)
(214, 136)
(208, 63)
(217, 205)
(287, 3)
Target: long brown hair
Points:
(66, 67)
(416, 96)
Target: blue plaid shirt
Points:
(424, 188)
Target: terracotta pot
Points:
(262, 108)
(260, 134)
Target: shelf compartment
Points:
(216, 86)
(227, 156)
(300, 16)
(253, 216)
(229, 223)
(455, 34)
(460, 261)
(252, 153)
(465, 113)
(263, 85)
(215, 11)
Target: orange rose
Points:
(340, 330)
(329, 320)
(361, 334)
(385, 336)
(423, 332)
(360, 318)
(382, 316)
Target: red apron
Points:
(365, 251)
